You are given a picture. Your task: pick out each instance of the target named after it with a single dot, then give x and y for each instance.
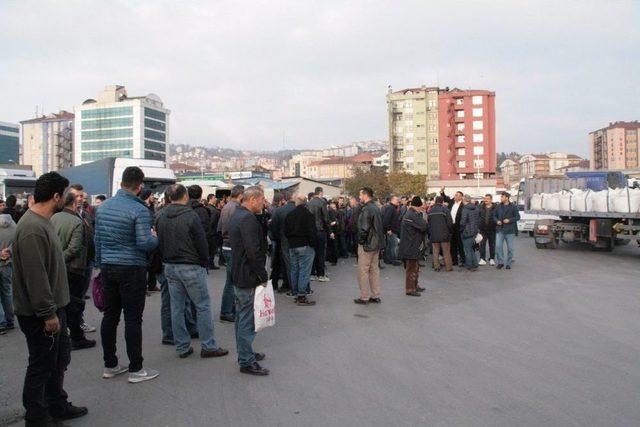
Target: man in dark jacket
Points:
(227, 305)
(318, 207)
(507, 217)
(391, 224)
(455, 207)
(212, 232)
(440, 226)
(249, 248)
(370, 241)
(412, 230)
(123, 241)
(185, 254)
(300, 231)
(195, 197)
(352, 224)
(488, 230)
(280, 244)
(469, 228)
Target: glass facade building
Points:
(9, 143)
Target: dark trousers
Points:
(352, 242)
(489, 237)
(49, 356)
(152, 280)
(321, 250)
(75, 308)
(332, 250)
(213, 251)
(278, 270)
(124, 292)
(412, 270)
(457, 250)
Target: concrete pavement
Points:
(552, 342)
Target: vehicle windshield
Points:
(158, 186)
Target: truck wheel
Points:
(531, 234)
(541, 245)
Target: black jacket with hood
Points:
(181, 238)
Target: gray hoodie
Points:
(7, 232)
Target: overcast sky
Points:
(239, 74)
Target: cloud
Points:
(240, 74)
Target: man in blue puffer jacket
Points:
(123, 239)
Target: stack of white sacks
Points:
(622, 200)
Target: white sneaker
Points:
(492, 262)
(112, 372)
(482, 262)
(323, 279)
(86, 328)
(142, 375)
(313, 278)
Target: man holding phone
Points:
(40, 294)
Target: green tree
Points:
(375, 178)
(405, 184)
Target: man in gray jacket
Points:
(227, 306)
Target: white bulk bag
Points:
(598, 201)
(536, 202)
(565, 201)
(551, 202)
(625, 200)
(579, 200)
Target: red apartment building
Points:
(467, 134)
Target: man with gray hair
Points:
(249, 248)
(227, 307)
(469, 228)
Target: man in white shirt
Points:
(455, 206)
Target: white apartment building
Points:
(47, 142)
(116, 125)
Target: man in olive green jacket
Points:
(71, 232)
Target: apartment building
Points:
(413, 131)
(615, 146)
(9, 143)
(116, 125)
(510, 170)
(467, 134)
(47, 142)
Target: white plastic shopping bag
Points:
(264, 307)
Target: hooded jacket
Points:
(413, 229)
(181, 238)
(440, 224)
(469, 221)
(7, 233)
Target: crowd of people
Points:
(130, 243)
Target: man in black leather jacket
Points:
(370, 241)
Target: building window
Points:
(107, 145)
(432, 127)
(478, 151)
(160, 136)
(477, 100)
(148, 123)
(103, 113)
(460, 139)
(431, 103)
(433, 166)
(459, 101)
(99, 155)
(153, 145)
(460, 126)
(477, 125)
(107, 134)
(478, 163)
(462, 164)
(460, 114)
(152, 155)
(478, 137)
(434, 153)
(461, 152)
(107, 123)
(155, 114)
(477, 112)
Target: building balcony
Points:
(459, 132)
(458, 106)
(457, 119)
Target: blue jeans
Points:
(391, 248)
(186, 280)
(227, 308)
(165, 311)
(301, 263)
(6, 299)
(509, 238)
(245, 326)
(470, 258)
(321, 254)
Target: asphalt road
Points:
(553, 342)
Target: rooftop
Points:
(54, 117)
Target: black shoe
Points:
(168, 342)
(396, 263)
(419, 289)
(69, 413)
(218, 352)
(227, 318)
(413, 294)
(195, 335)
(361, 301)
(499, 266)
(283, 290)
(303, 301)
(10, 325)
(215, 267)
(375, 300)
(3, 331)
(508, 267)
(82, 344)
(290, 294)
(254, 369)
(186, 353)
(259, 356)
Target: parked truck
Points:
(602, 228)
(104, 176)
(19, 181)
